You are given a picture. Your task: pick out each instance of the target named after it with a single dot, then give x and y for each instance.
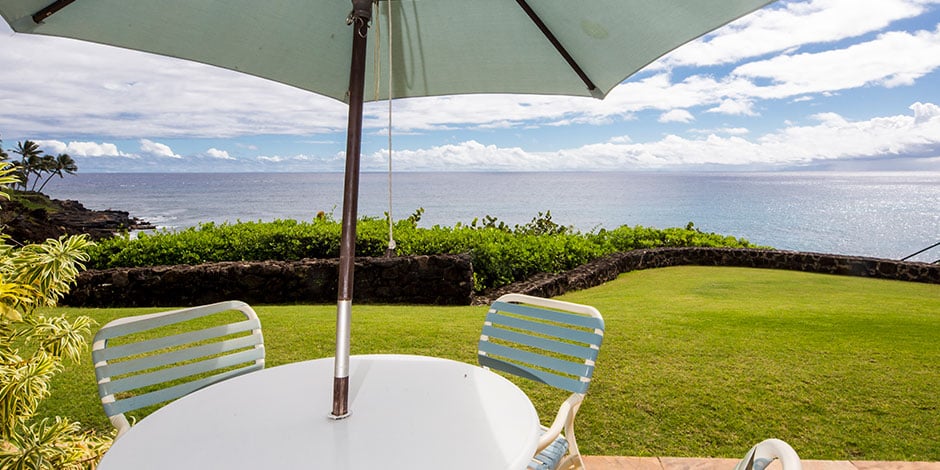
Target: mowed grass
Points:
(696, 362)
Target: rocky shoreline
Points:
(32, 217)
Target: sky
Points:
(840, 85)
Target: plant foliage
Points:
(33, 348)
(500, 253)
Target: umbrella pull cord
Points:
(390, 251)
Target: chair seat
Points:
(550, 457)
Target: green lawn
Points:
(697, 361)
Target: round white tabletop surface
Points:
(410, 412)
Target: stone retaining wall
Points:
(440, 280)
(609, 267)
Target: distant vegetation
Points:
(34, 169)
(501, 254)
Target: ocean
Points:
(885, 215)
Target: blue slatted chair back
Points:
(151, 359)
(545, 340)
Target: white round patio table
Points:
(411, 412)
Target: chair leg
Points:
(573, 460)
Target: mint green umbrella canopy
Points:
(439, 47)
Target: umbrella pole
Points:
(359, 19)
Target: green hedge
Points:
(501, 254)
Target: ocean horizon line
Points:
(561, 171)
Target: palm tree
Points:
(63, 162)
(40, 165)
(30, 154)
(3, 154)
(37, 165)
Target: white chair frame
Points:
(764, 453)
(548, 341)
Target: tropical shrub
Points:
(32, 350)
(500, 253)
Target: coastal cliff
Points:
(31, 217)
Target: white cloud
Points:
(802, 77)
(676, 115)
(82, 149)
(734, 107)
(469, 155)
(833, 137)
(723, 130)
(476, 111)
(924, 112)
(830, 138)
(796, 24)
(302, 162)
(220, 154)
(875, 62)
(156, 149)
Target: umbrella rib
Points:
(558, 46)
(50, 10)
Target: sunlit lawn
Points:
(696, 361)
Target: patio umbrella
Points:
(439, 47)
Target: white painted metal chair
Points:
(764, 453)
(150, 359)
(552, 342)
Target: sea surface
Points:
(885, 215)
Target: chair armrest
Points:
(761, 455)
(565, 413)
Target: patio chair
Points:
(150, 359)
(761, 455)
(552, 342)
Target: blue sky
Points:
(805, 85)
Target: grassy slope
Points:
(696, 362)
